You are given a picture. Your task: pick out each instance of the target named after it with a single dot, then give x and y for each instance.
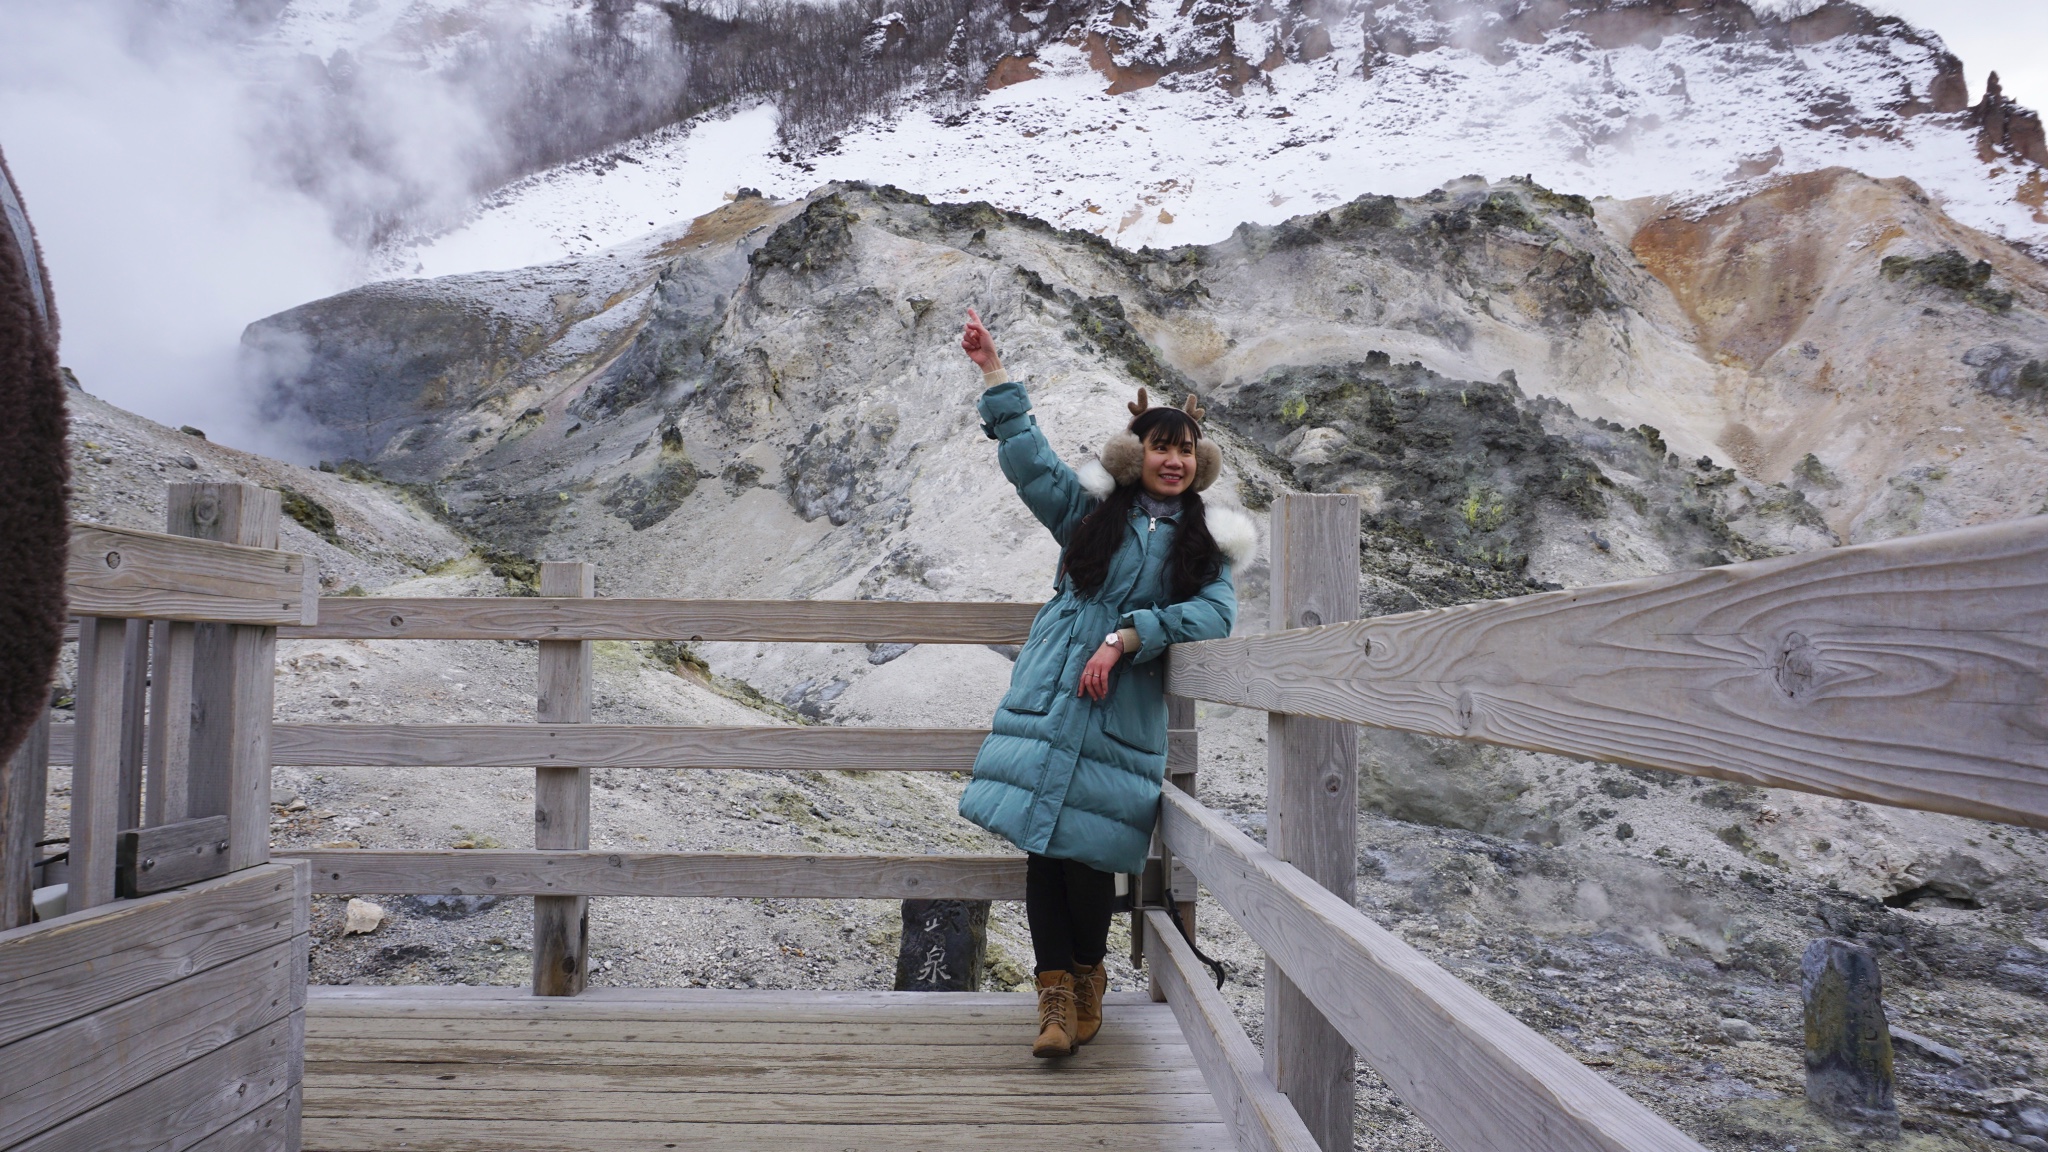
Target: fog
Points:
(193, 165)
(165, 230)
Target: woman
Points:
(1071, 771)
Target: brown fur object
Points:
(34, 476)
(1124, 458)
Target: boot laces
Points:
(1056, 1006)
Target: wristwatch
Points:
(1115, 638)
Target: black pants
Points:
(1068, 905)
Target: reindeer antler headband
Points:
(1123, 456)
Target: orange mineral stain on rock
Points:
(1012, 70)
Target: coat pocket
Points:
(1137, 712)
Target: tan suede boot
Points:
(1090, 981)
(1055, 1015)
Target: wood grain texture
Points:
(227, 512)
(512, 872)
(556, 618)
(1055, 1108)
(339, 1134)
(897, 1029)
(1910, 672)
(167, 856)
(272, 1126)
(234, 671)
(80, 938)
(829, 1073)
(96, 777)
(167, 782)
(1312, 803)
(340, 1006)
(700, 1069)
(65, 1071)
(185, 1106)
(149, 575)
(693, 1058)
(80, 963)
(134, 719)
(1481, 1080)
(561, 793)
(807, 749)
(24, 786)
(1260, 1118)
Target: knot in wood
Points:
(1796, 665)
(1311, 618)
(397, 621)
(1465, 710)
(113, 559)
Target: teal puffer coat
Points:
(1062, 775)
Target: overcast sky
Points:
(2009, 37)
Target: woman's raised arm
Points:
(1047, 486)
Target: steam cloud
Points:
(189, 172)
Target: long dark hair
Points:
(1194, 559)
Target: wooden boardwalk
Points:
(612, 1070)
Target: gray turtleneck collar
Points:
(1156, 508)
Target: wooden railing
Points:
(157, 1001)
(561, 871)
(1911, 672)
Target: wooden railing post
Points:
(134, 704)
(168, 765)
(1312, 803)
(233, 669)
(98, 700)
(24, 782)
(1181, 760)
(561, 796)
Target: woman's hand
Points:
(978, 344)
(1095, 677)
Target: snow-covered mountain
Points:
(1160, 123)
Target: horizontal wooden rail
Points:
(1259, 1117)
(568, 618)
(1911, 672)
(123, 573)
(810, 749)
(1481, 1080)
(518, 872)
(629, 746)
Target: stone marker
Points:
(944, 942)
(1848, 1042)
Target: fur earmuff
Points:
(1123, 457)
(1235, 534)
(1208, 464)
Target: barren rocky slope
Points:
(1526, 387)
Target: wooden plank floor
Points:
(626, 1070)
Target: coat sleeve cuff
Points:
(1129, 638)
(1151, 634)
(1005, 411)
